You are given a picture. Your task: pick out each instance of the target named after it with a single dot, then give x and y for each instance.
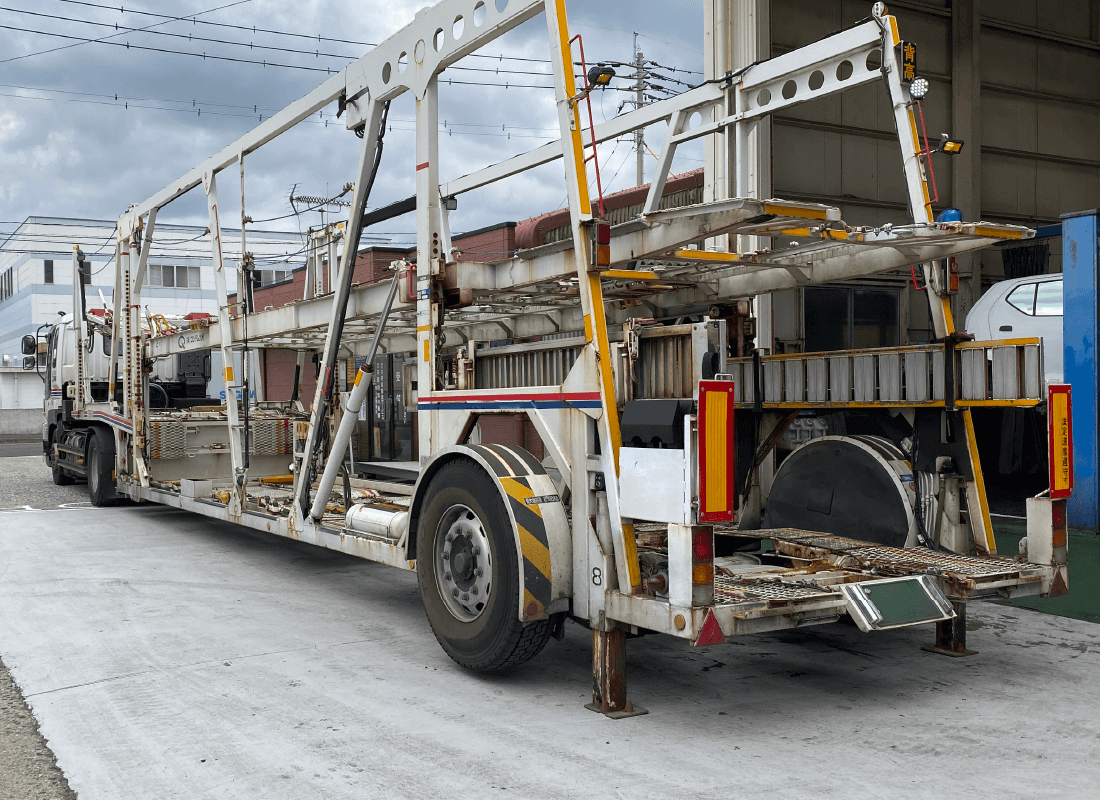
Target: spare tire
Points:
(853, 486)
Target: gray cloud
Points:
(82, 156)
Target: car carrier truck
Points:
(655, 509)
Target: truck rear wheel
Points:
(60, 476)
(467, 566)
(101, 470)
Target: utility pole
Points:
(639, 135)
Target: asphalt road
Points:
(166, 655)
(25, 482)
(8, 448)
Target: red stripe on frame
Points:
(490, 398)
(422, 166)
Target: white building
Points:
(36, 283)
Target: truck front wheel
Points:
(101, 470)
(467, 566)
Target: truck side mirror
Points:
(30, 362)
(30, 345)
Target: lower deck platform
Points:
(962, 577)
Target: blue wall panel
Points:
(1080, 276)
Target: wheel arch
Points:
(540, 529)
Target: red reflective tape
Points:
(325, 385)
(422, 166)
(711, 632)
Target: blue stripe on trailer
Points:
(113, 421)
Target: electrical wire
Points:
(116, 96)
(264, 63)
(254, 29)
(296, 212)
(128, 105)
(311, 37)
(153, 25)
(674, 69)
(919, 501)
(506, 85)
(250, 45)
(445, 125)
(128, 46)
(199, 110)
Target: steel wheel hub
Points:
(464, 566)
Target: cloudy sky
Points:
(89, 127)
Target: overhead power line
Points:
(204, 56)
(116, 96)
(254, 29)
(445, 125)
(128, 105)
(111, 36)
(250, 45)
(199, 108)
(264, 63)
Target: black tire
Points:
(495, 639)
(60, 476)
(101, 470)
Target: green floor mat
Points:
(1083, 600)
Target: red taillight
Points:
(702, 544)
(603, 233)
(601, 245)
(1058, 514)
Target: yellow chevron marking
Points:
(534, 551)
(518, 492)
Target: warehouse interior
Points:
(1017, 80)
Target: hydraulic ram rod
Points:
(351, 411)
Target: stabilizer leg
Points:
(951, 635)
(609, 676)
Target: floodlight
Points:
(950, 146)
(600, 75)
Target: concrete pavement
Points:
(167, 655)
